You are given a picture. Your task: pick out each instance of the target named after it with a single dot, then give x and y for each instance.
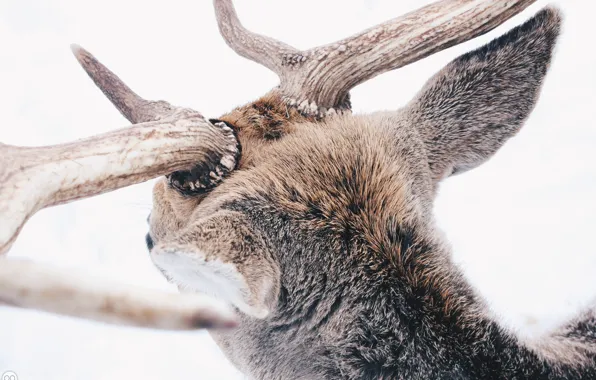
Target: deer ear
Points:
(467, 111)
(221, 256)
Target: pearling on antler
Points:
(165, 139)
(319, 80)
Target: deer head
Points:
(316, 224)
(305, 156)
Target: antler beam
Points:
(167, 139)
(35, 178)
(321, 78)
(175, 139)
(27, 284)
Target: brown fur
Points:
(326, 232)
(261, 123)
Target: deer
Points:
(300, 234)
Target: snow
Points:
(520, 225)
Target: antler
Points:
(320, 79)
(30, 285)
(168, 138)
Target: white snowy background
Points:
(521, 225)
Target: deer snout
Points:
(149, 241)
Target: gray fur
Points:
(335, 235)
(480, 100)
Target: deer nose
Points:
(149, 242)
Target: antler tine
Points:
(169, 139)
(261, 49)
(38, 177)
(321, 78)
(131, 105)
(343, 65)
(30, 285)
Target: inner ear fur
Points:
(468, 110)
(223, 256)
